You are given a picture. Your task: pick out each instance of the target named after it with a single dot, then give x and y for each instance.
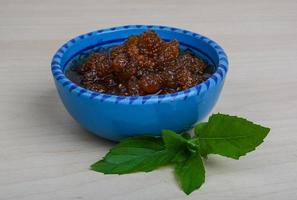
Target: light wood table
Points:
(45, 154)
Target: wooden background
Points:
(44, 154)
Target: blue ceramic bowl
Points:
(117, 117)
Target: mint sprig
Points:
(134, 154)
(229, 136)
(224, 135)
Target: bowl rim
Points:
(212, 81)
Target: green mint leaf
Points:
(142, 141)
(178, 144)
(181, 155)
(225, 135)
(133, 155)
(229, 136)
(198, 129)
(190, 173)
(173, 141)
(186, 135)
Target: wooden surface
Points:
(45, 154)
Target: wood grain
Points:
(45, 154)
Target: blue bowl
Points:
(117, 117)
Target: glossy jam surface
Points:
(143, 65)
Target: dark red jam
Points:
(143, 65)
